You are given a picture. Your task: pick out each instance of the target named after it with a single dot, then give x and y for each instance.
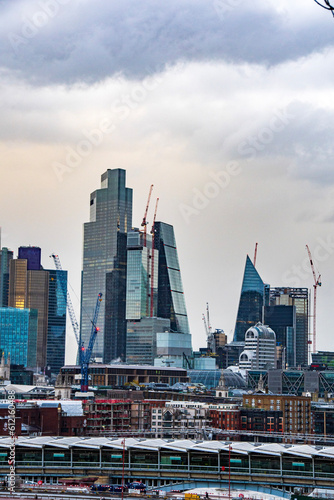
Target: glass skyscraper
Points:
(56, 336)
(254, 295)
(110, 214)
(288, 313)
(5, 257)
(171, 301)
(142, 277)
(18, 335)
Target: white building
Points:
(260, 349)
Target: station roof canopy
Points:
(175, 445)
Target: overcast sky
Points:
(227, 109)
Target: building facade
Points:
(296, 410)
(18, 335)
(171, 301)
(110, 214)
(289, 315)
(56, 330)
(260, 349)
(5, 257)
(254, 295)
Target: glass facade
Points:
(110, 213)
(142, 339)
(171, 301)
(56, 335)
(115, 301)
(142, 277)
(33, 257)
(18, 335)
(291, 305)
(254, 295)
(5, 257)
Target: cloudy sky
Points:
(226, 106)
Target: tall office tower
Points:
(32, 287)
(254, 295)
(171, 302)
(33, 257)
(115, 303)
(141, 299)
(17, 292)
(110, 213)
(260, 349)
(288, 315)
(56, 332)
(5, 258)
(38, 298)
(18, 335)
(142, 277)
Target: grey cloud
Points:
(64, 42)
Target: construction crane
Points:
(255, 254)
(208, 330)
(317, 283)
(144, 221)
(82, 351)
(70, 308)
(86, 353)
(152, 259)
(326, 5)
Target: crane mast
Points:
(86, 353)
(69, 304)
(144, 221)
(255, 254)
(317, 283)
(152, 259)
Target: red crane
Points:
(152, 259)
(255, 254)
(317, 283)
(144, 222)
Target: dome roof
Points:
(260, 331)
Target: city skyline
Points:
(225, 108)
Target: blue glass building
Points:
(254, 295)
(171, 301)
(56, 334)
(5, 257)
(18, 335)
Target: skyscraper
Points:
(254, 295)
(288, 315)
(110, 214)
(18, 335)
(142, 277)
(171, 301)
(56, 332)
(5, 258)
(44, 291)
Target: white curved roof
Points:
(184, 445)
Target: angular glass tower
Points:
(254, 295)
(110, 214)
(171, 302)
(142, 277)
